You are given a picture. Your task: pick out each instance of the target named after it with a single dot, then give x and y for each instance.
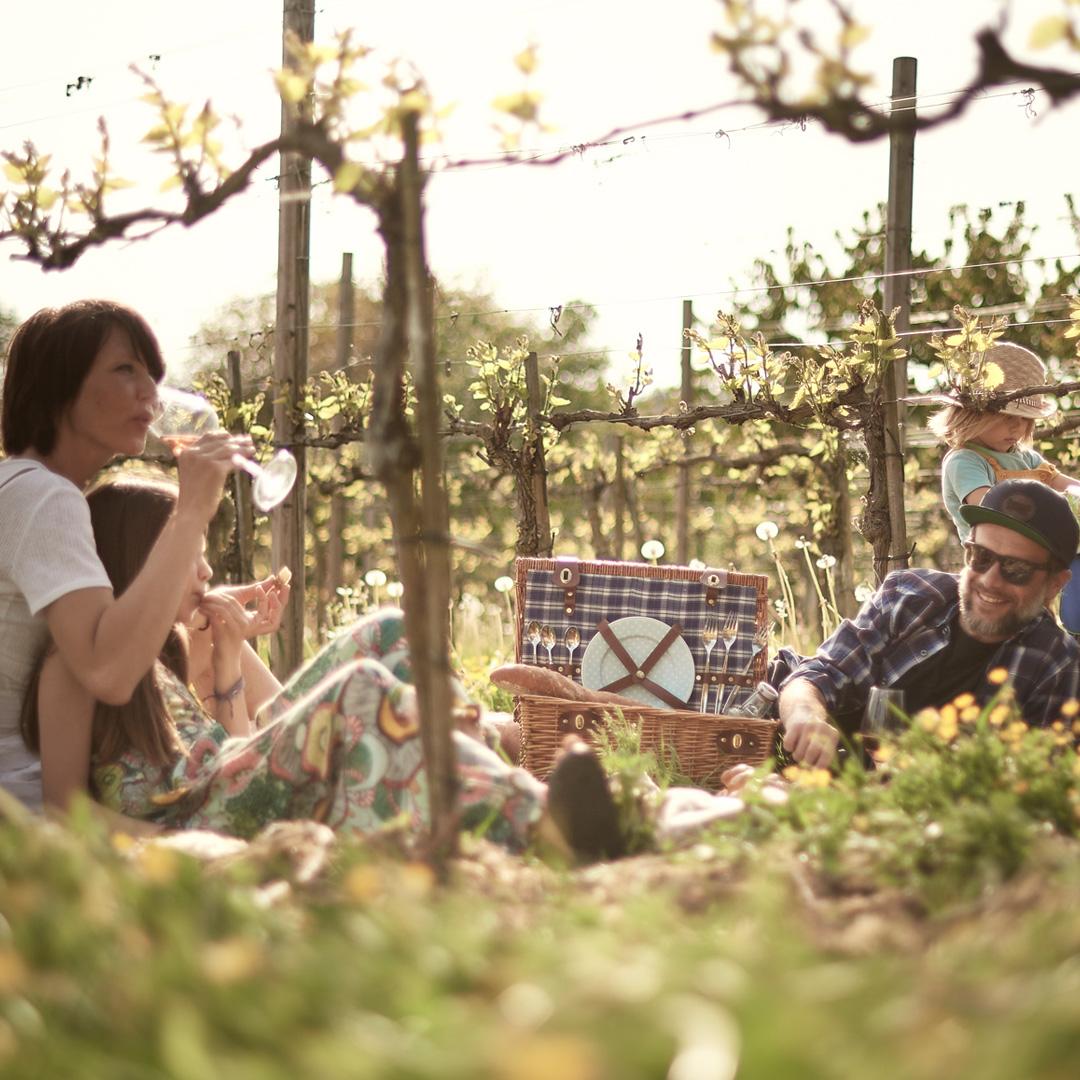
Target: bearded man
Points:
(936, 635)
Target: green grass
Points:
(921, 922)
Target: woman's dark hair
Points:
(48, 358)
(128, 514)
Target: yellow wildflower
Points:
(1014, 732)
(998, 715)
(928, 719)
(417, 879)
(158, 865)
(233, 960)
(948, 727)
(1070, 708)
(364, 883)
(13, 971)
(538, 1056)
(1057, 725)
(807, 778)
(970, 714)
(997, 676)
(964, 700)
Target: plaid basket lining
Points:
(606, 596)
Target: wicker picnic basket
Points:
(562, 593)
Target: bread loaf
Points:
(543, 682)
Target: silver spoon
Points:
(572, 639)
(532, 632)
(547, 639)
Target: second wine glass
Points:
(182, 417)
(884, 715)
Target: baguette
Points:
(543, 682)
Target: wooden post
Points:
(682, 512)
(245, 515)
(538, 473)
(346, 315)
(288, 522)
(618, 532)
(335, 547)
(428, 603)
(897, 292)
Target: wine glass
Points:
(182, 417)
(884, 714)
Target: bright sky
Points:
(634, 228)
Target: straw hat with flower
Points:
(1019, 368)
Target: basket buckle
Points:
(567, 575)
(714, 582)
(577, 721)
(736, 742)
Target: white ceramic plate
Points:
(674, 671)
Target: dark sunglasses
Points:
(1014, 571)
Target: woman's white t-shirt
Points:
(46, 551)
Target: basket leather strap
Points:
(637, 674)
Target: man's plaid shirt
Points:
(909, 619)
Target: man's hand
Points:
(808, 736)
(810, 741)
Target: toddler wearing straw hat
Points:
(988, 447)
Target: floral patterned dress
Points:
(339, 744)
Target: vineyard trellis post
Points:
(897, 294)
(288, 522)
(682, 519)
(335, 545)
(245, 514)
(618, 532)
(538, 470)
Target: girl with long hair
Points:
(339, 743)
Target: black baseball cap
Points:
(1033, 510)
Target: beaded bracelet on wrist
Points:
(232, 692)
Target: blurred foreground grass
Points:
(924, 927)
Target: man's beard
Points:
(1009, 622)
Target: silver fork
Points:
(709, 634)
(728, 633)
(761, 639)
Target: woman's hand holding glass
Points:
(202, 469)
(186, 422)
